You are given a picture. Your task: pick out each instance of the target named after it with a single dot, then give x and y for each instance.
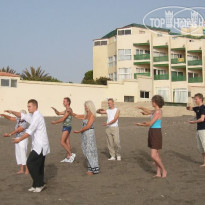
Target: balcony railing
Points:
(195, 62)
(142, 57)
(178, 78)
(143, 74)
(178, 60)
(195, 80)
(161, 77)
(160, 58)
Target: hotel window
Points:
(9, 83)
(180, 95)
(111, 61)
(193, 75)
(176, 55)
(124, 73)
(190, 57)
(164, 92)
(124, 32)
(128, 98)
(124, 54)
(158, 54)
(142, 70)
(100, 43)
(144, 94)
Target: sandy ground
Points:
(127, 182)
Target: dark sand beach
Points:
(129, 181)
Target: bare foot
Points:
(164, 174)
(26, 173)
(203, 165)
(89, 173)
(20, 172)
(157, 176)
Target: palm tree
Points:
(8, 70)
(37, 75)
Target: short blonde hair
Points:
(90, 105)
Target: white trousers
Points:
(21, 152)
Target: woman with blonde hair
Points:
(88, 137)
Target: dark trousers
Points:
(35, 165)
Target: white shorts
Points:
(200, 137)
(21, 152)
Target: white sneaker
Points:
(39, 189)
(73, 155)
(64, 160)
(32, 189)
(112, 159)
(118, 158)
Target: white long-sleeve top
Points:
(37, 130)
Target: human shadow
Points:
(105, 153)
(182, 156)
(51, 171)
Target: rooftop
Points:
(8, 74)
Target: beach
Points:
(125, 182)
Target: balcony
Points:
(142, 57)
(195, 80)
(142, 74)
(160, 58)
(178, 78)
(161, 77)
(178, 60)
(195, 62)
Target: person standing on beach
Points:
(66, 120)
(155, 134)
(21, 147)
(40, 144)
(87, 131)
(112, 131)
(200, 120)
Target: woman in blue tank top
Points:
(155, 134)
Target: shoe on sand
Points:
(118, 158)
(32, 189)
(112, 159)
(39, 189)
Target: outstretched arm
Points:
(8, 117)
(101, 111)
(57, 112)
(150, 123)
(145, 111)
(62, 119)
(17, 114)
(89, 124)
(201, 119)
(114, 120)
(18, 130)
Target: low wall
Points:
(129, 109)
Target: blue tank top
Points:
(157, 123)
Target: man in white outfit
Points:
(112, 131)
(40, 144)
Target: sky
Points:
(58, 34)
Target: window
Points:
(124, 54)
(180, 95)
(159, 35)
(13, 83)
(128, 98)
(124, 32)
(160, 72)
(190, 57)
(100, 43)
(124, 73)
(5, 82)
(158, 54)
(193, 75)
(111, 61)
(142, 70)
(164, 92)
(115, 76)
(176, 55)
(9, 83)
(144, 94)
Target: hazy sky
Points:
(58, 34)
